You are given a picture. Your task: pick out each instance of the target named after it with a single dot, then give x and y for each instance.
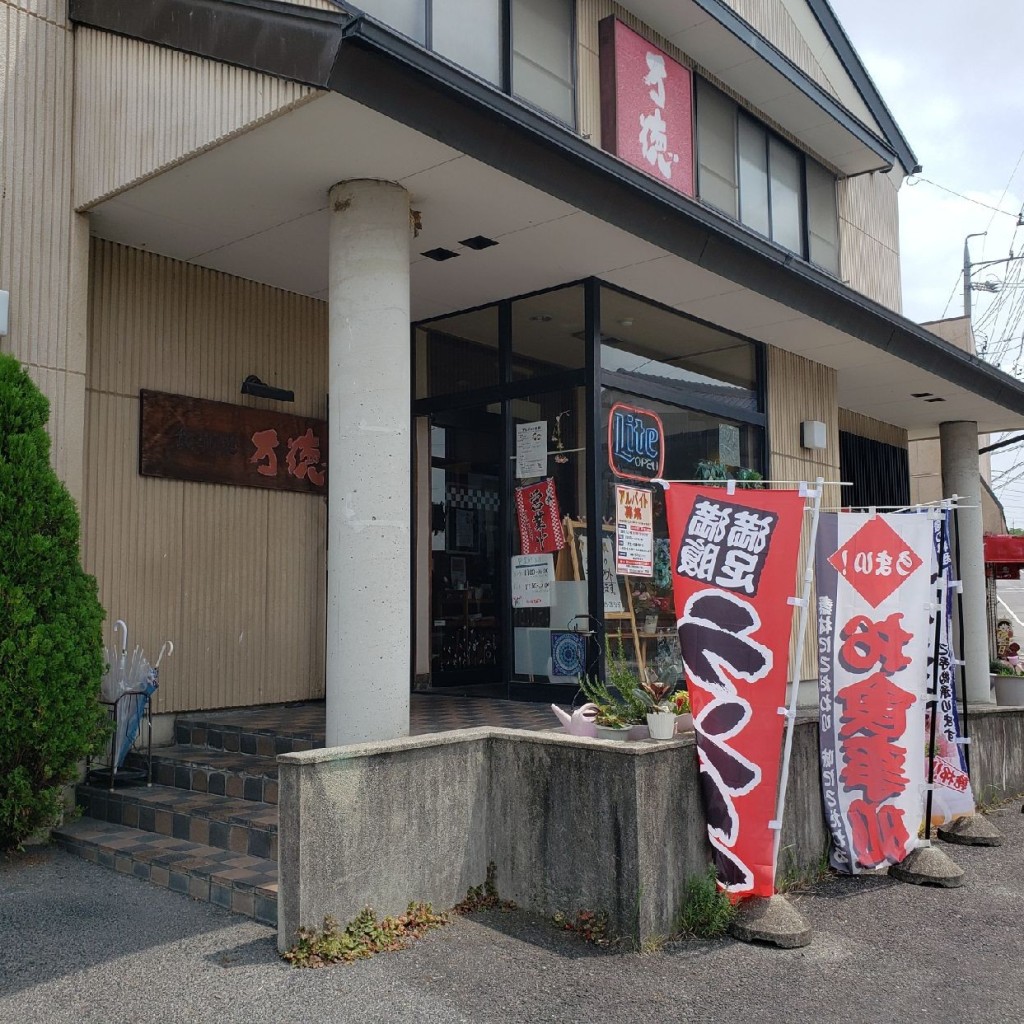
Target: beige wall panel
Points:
(40, 242)
(221, 651)
(53, 11)
(869, 236)
(320, 5)
(133, 537)
(296, 599)
(235, 576)
(874, 430)
(798, 390)
(141, 108)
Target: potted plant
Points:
(661, 718)
(1008, 683)
(619, 710)
(680, 704)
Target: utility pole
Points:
(968, 265)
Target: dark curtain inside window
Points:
(879, 472)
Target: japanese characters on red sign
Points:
(646, 106)
(873, 593)
(734, 568)
(540, 521)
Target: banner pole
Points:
(790, 712)
(959, 632)
(940, 613)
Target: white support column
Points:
(369, 583)
(961, 475)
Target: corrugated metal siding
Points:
(235, 576)
(141, 108)
(798, 390)
(869, 236)
(39, 237)
(875, 430)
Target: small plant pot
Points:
(608, 732)
(684, 723)
(662, 725)
(1009, 691)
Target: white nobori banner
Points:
(874, 575)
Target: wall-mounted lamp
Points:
(5, 307)
(252, 385)
(812, 434)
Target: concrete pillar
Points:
(961, 476)
(369, 581)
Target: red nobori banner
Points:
(734, 560)
(540, 521)
(874, 587)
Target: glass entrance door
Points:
(465, 494)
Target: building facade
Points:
(433, 224)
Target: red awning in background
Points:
(1004, 556)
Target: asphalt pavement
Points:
(82, 944)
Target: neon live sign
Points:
(636, 442)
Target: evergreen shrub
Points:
(51, 643)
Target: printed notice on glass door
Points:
(531, 449)
(634, 531)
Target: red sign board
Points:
(646, 106)
(734, 563)
(184, 438)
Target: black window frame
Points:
(505, 57)
(740, 112)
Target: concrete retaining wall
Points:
(570, 823)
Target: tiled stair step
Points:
(246, 735)
(241, 826)
(243, 776)
(246, 885)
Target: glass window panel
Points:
(564, 413)
(716, 149)
(468, 32)
(405, 16)
(753, 160)
(786, 191)
(542, 65)
(649, 343)
(690, 438)
(822, 220)
(548, 333)
(457, 353)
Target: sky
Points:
(952, 74)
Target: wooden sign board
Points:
(183, 438)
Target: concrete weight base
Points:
(971, 830)
(928, 865)
(773, 920)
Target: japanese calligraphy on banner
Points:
(874, 584)
(734, 561)
(952, 797)
(540, 521)
(646, 106)
(634, 531)
(185, 438)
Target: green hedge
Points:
(51, 645)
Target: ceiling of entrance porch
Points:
(256, 207)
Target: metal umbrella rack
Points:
(126, 690)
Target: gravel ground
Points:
(82, 944)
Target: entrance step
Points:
(246, 827)
(241, 883)
(266, 732)
(220, 772)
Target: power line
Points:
(960, 195)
